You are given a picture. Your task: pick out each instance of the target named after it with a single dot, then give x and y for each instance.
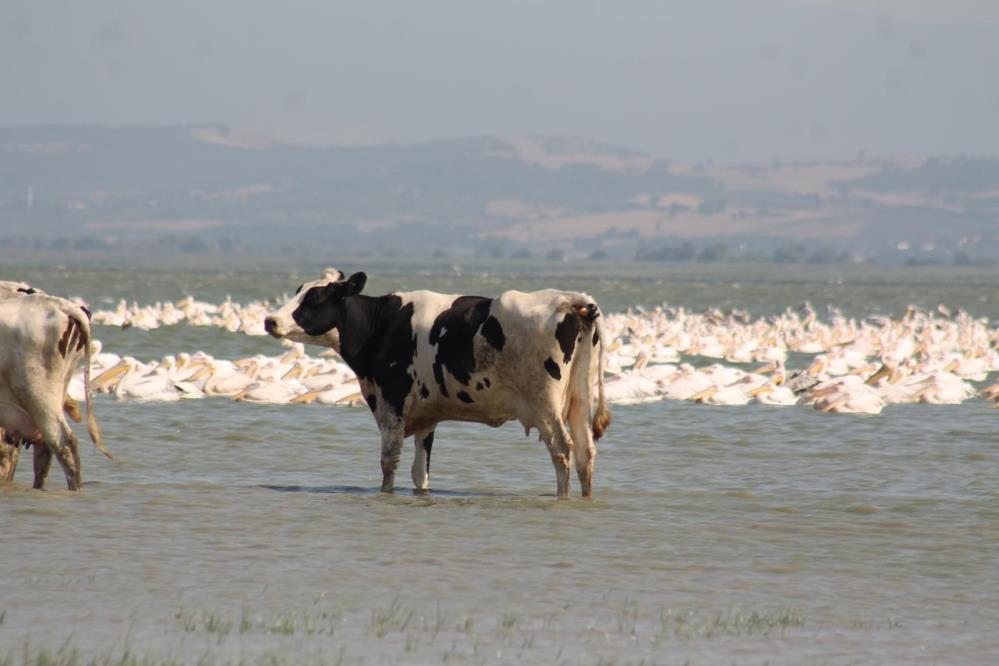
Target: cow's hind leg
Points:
(584, 449)
(560, 447)
(392, 439)
(68, 456)
(61, 441)
(424, 441)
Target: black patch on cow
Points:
(439, 378)
(485, 380)
(464, 397)
(552, 368)
(390, 352)
(27, 290)
(323, 308)
(64, 340)
(453, 334)
(424, 392)
(372, 401)
(376, 336)
(493, 333)
(566, 333)
(428, 445)
(596, 338)
(479, 386)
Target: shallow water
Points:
(234, 532)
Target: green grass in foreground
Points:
(619, 632)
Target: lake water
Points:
(227, 532)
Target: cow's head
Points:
(323, 308)
(281, 324)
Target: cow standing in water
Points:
(423, 357)
(42, 340)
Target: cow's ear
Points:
(355, 283)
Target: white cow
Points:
(42, 340)
(423, 357)
(14, 289)
(10, 451)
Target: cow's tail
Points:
(602, 414)
(589, 314)
(79, 315)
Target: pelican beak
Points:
(760, 390)
(109, 377)
(198, 364)
(70, 407)
(206, 371)
(706, 393)
(296, 371)
(883, 371)
(352, 400)
(816, 368)
(306, 398)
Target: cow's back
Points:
(491, 360)
(28, 325)
(42, 335)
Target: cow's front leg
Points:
(42, 460)
(392, 438)
(424, 441)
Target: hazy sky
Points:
(731, 80)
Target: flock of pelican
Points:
(937, 357)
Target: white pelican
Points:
(687, 382)
(129, 380)
(630, 388)
(845, 395)
(722, 395)
(271, 392)
(224, 378)
(736, 393)
(772, 394)
(944, 388)
(347, 394)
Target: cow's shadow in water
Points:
(373, 491)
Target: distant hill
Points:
(211, 189)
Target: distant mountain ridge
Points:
(210, 188)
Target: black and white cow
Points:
(422, 357)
